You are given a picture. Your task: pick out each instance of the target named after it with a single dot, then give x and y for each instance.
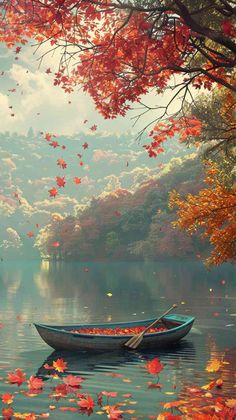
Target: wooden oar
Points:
(134, 341)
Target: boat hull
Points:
(61, 338)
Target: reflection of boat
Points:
(88, 363)
(62, 337)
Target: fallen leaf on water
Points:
(154, 366)
(158, 386)
(213, 366)
(73, 381)
(231, 403)
(17, 377)
(60, 365)
(7, 398)
(174, 404)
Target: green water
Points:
(58, 292)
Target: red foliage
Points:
(117, 331)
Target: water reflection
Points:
(83, 362)
(59, 292)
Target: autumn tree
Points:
(213, 212)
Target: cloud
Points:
(64, 202)
(13, 239)
(9, 164)
(99, 154)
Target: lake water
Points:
(60, 292)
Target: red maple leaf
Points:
(60, 365)
(7, 413)
(48, 71)
(85, 145)
(53, 192)
(86, 403)
(109, 394)
(54, 144)
(154, 366)
(35, 383)
(7, 398)
(48, 136)
(61, 163)
(30, 234)
(73, 381)
(94, 127)
(60, 181)
(77, 180)
(18, 50)
(114, 413)
(17, 377)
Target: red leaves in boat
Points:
(117, 331)
(154, 366)
(17, 377)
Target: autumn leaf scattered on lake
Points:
(7, 398)
(60, 365)
(16, 377)
(154, 367)
(213, 365)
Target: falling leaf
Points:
(60, 181)
(77, 180)
(61, 163)
(30, 234)
(53, 192)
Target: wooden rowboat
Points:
(61, 337)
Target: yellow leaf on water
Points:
(231, 403)
(214, 365)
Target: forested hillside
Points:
(29, 169)
(128, 225)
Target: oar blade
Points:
(134, 341)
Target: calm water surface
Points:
(59, 292)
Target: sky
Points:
(28, 90)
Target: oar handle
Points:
(157, 320)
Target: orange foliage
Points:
(213, 210)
